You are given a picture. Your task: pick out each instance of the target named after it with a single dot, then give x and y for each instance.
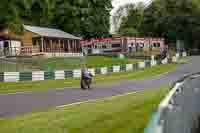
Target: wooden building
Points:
(38, 40)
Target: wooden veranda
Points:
(55, 45)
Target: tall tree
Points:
(173, 19)
(85, 17)
(120, 14)
(79, 17)
(9, 16)
(132, 23)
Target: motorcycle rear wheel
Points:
(85, 84)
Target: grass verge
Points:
(59, 63)
(184, 60)
(123, 114)
(91, 61)
(112, 77)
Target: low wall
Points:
(76, 73)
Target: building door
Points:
(6, 48)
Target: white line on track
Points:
(100, 99)
(27, 92)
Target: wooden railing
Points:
(18, 51)
(29, 50)
(57, 50)
(14, 51)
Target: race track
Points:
(20, 103)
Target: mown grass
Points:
(124, 114)
(100, 61)
(13, 67)
(184, 60)
(109, 78)
(91, 61)
(50, 64)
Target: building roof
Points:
(50, 32)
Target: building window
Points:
(158, 45)
(109, 45)
(147, 45)
(116, 45)
(142, 45)
(34, 42)
(6, 44)
(154, 45)
(104, 47)
(132, 44)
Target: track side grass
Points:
(124, 114)
(59, 63)
(91, 61)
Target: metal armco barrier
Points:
(179, 112)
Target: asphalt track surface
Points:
(20, 103)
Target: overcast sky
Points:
(117, 3)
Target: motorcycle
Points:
(86, 82)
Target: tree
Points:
(24, 9)
(97, 18)
(119, 15)
(10, 17)
(80, 17)
(173, 19)
(88, 18)
(131, 24)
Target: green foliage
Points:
(131, 24)
(172, 19)
(179, 20)
(10, 16)
(79, 17)
(128, 31)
